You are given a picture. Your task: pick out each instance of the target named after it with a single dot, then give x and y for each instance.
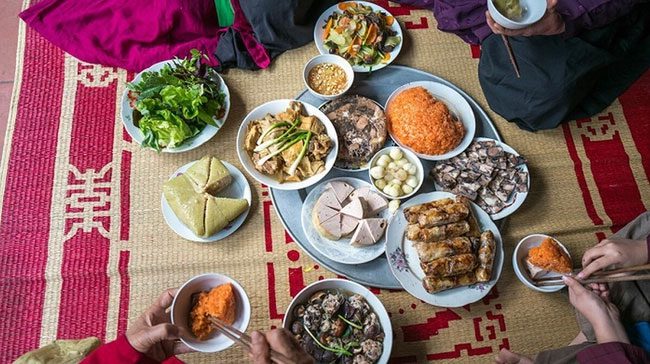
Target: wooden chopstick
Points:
(601, 274)
(635, 268)
(511, 54)
(244, 340)
(553, 281)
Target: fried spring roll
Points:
(411, 213)
(485, 256)
(436, 284)
(444, 215)
(429, 235)
(440, 249)
(450, 266)
(474, 229)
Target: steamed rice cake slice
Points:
(186, 204)
(209, 175)
(219, 212)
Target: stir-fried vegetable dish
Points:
(290, 146)
(175, 103)
(336, 326)
(360, 35)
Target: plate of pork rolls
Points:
(444, 249)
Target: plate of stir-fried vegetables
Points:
(365, 34)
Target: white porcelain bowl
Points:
(411, 157)
(351, 287)
(534, 10)
(457, 105)
(276, 107)
(328, 58)
(182, 305)
(519, 264)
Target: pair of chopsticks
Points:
(604, 276)
(244, 340)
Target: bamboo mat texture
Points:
(84, 248)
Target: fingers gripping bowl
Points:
(348, 320)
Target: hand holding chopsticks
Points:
(245, 340)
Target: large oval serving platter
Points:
(405, 264)
(194, 142)
(322, 20)
(377, 86)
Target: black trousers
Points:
(565, 79)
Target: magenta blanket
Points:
(126, 33)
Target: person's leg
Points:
(556, 74)
(564, 355)
(564, 79)
(633, 298)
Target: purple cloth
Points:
(466, 18)
(125, 33)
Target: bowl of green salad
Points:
(175, 105)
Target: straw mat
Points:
(84, 248)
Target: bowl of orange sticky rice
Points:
(430, 119)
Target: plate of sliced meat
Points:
(444, 249)
(490, 173)
(345, 220)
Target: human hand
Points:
(281, 341)
(550, 24)
(152, 333)
(601, 314)
(506, 356)
(613, 253)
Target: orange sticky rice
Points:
(423, 123)
(218, 302)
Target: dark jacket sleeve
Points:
(589, 14)
(612, 353)
(120, 351)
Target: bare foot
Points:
(581, 338)
(508, 357)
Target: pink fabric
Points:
(120, 351)
(135, 34)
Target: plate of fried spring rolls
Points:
(444, 249)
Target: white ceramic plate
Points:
(238, 188)
(342, 284)
(322, 20)
(206, 134)
(340, 250)
(182, 306)
(517, 198)
(276, 107)
(457, 105)
(405, 264)
(519, 265)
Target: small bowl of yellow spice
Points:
(204, 296)
(328, 76)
